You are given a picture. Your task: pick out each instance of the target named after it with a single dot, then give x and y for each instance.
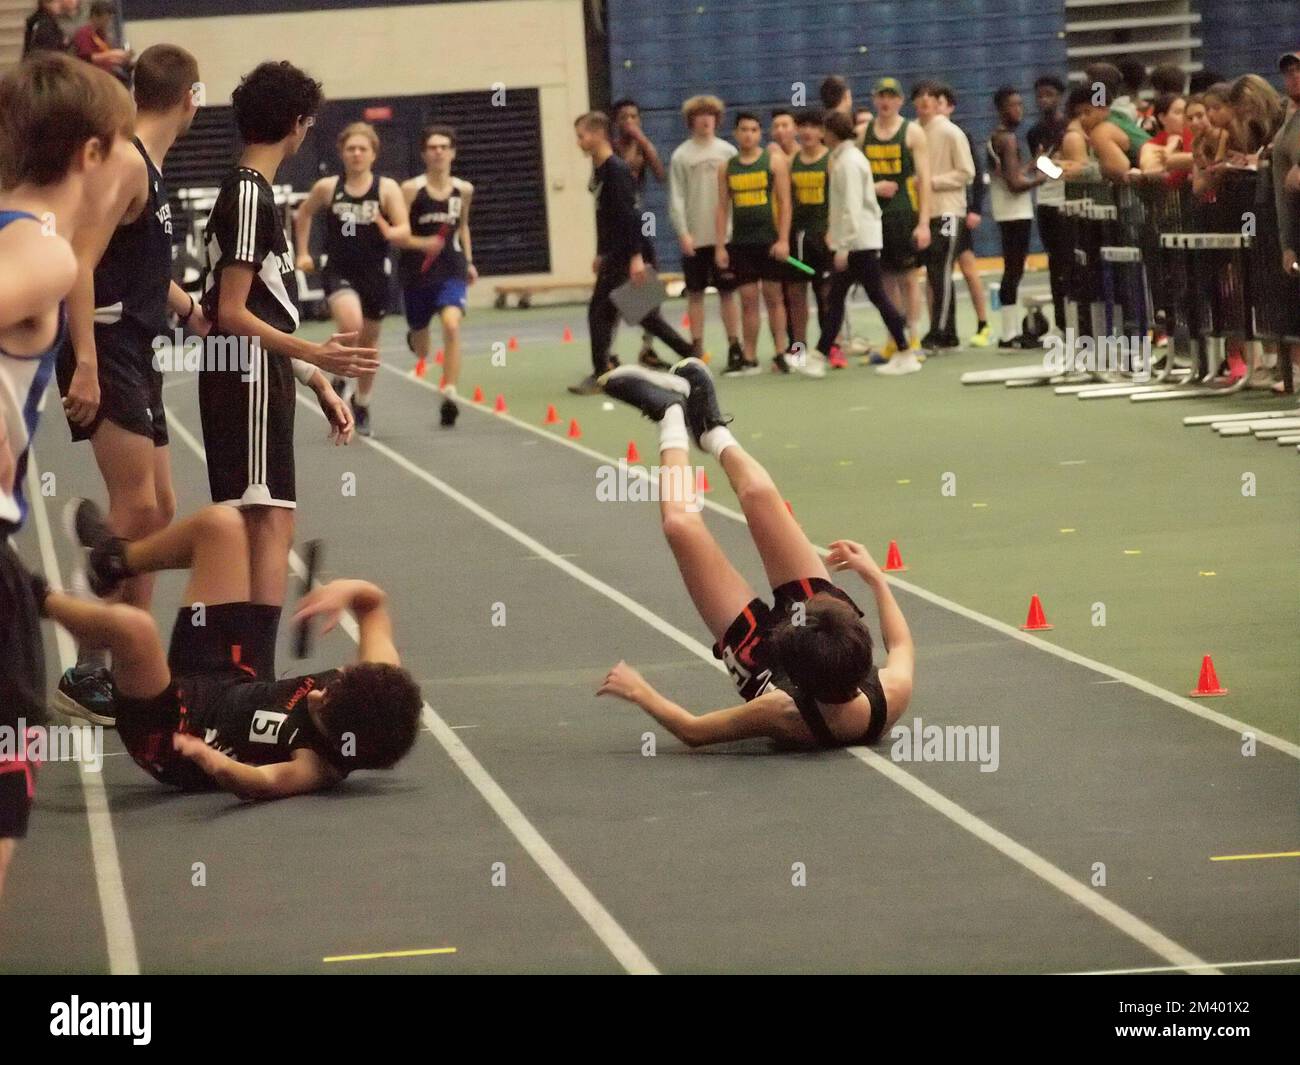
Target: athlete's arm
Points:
(368, 602)
(394, 221)
(921, 157)
(1110, 153)
(89, 243)
(316, 200)
(773, 714)
(720, 218)
(677, 201)
(187, 310)
(896, 675)
(651, 154)
(333, 356)
(466, 243)
(784, 203)
(305, 771)
(1009, 164)
(36, 271)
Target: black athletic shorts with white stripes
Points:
(247, 418)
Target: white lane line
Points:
(118, 933)
(1144, 686)
(1131, 925)
(1187, 968)
(575, 892)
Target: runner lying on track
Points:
(805, 666)
(201, 716)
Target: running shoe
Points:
(648, 358)
(588, 386)
(361, 415)
(89, 696)
(904, 363)
(982, 338)
(837, 361)
(447, 413)
(103, 555)
(780, 364)
(702, 410)
(652, 392)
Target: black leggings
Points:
(1055, 235)
(864, 270)
(1015, 246)
(602, 319)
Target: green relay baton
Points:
(800, 266)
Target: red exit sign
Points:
(378, 114)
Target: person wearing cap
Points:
(900, 163)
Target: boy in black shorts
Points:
(355, 266)
(805, 667)
(247, 396)
(754, 206)
(108, 373)
(208, 713)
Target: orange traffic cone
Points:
(500, 407)
(894, 558)
(420, 367)
(568, 335)
(478, 393)
(632, 454)
(513, 344)
(552, 415)
(1036, 619)
(575, 433)
(1208, 684)
(439, 358)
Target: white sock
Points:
(360, 400)
(672, 429)
(717, 440)
(450, 391)
(1010, 322)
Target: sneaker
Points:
(89, 696)
(836, 360)
(982, 338)
(103, 554)
(650, 359)
(930, 340)
(811, 364)
(735, 362)
(447, 413)
(588, 386)
(859, 346)
(702, 410)
(652, 392)
(1009, 343)
(943, 342)
(904, 363)
(781, 363)
(361, 415)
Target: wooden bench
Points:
(524, 292)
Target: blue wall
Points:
(1247, 36)
(749, 52)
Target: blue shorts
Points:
(424, 301)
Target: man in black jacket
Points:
(622, 250)
(42, 31)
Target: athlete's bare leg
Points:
(368, 337)
(718, 591)
(974, 284)
(270, 536)
(345, 308)
(730, 311)
(796, 294)
(137, 504)
(786, 551)
(773, 296)
(451, 318)
(750, 319)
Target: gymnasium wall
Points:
(366, 52)
(751, 53)
(1247, 36)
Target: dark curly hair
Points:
(378, 707)
(829, 656)
(270, 100)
